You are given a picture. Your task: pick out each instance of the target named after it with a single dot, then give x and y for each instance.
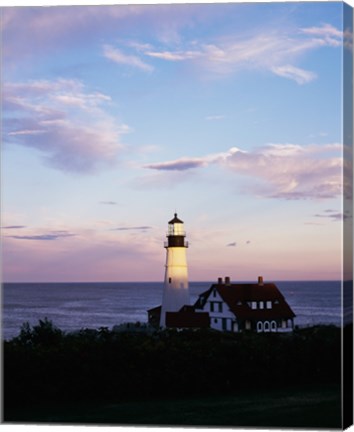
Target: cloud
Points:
(275, 51)
(214, 117)
(175, 56)
(31, 31)
(248, 241)
(108, 202)
(46, 237)
(178, 165)
(335, 217)
(14, 227)
(185, 163)
(65, 121)
(285, 171)
(135, 228)
(329, 34)
(299, 75)
(117, 56)
(291, 171)
(233, 244)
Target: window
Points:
(261, 305)
(269, 305)
(266, 326)
(211, 306)
(214, 293)
(220, 306)
(215, 320)
(224, 324)
(248, 325)
(253, 305)
(259, 326)
(273, 326)
(169, 280)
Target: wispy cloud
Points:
(287, 171)
(14, 227)
(332, 215)
(33, 30)
(301, 76)
(30, 31)
(329, 34)
(55, 235)
(65, 121)
(233, 244)
(182, 164)
(186, 163)
(214, 117)
(273, 50)
(116, 55)
(133, 228)
(175, 56)
(113, 203)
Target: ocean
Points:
(73, 306)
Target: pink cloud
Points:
(292, 172)
(286, 171)
(66, 122)
(117, 56)
(33, 30)
(274, 51)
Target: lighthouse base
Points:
(174, 298)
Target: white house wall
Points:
(219, 320)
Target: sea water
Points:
(73, 306)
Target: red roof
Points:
(239, 297)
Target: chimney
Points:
(260, 281)
(220, 281)
(227, 280)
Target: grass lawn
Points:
(297, 408)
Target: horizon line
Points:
(162, 282)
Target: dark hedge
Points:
(44, 364)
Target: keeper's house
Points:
(258, 307)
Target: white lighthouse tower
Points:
(176, 290)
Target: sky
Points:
(116, 117)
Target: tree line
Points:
(45, 364)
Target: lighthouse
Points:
(176, 290)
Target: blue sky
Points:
(115, 117)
